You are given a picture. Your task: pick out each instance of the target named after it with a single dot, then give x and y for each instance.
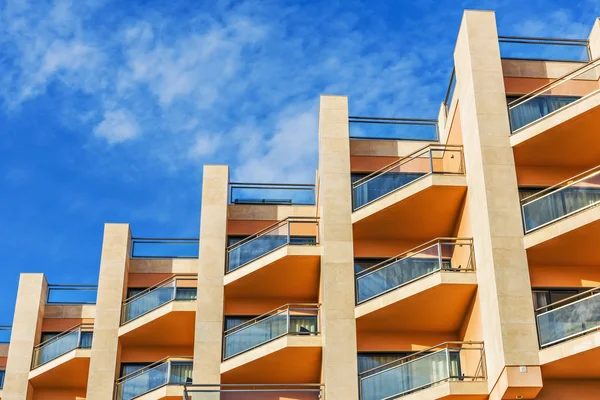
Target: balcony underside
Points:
(568, 138)
(436, 303)
(426, 208)
(290, 272)
(454, 390)
(176, 317)
(289, 359)
(573, 359)
(572, 240)
(168, 392)
(67, 371)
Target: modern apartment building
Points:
(455, 258)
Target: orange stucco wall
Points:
(247, 227)
(258, 306)
(154, 353)
(570, 390)
(369, 163)
(382, 248)
(516, 86)
(3, 361)
(540, 176)
(564, 276)
(401, 341)
(59, 394)
(62, 324)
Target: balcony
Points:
(424, 191)
(71, 294)
(254, 391)
(259, 348)
(555, 125)
(451, 368)
(164, 379)
(403, 293)
(284, 257)
(569, 336)
(367, 128)
(272, 194)
(63, 360)
(169, 306)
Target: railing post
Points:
(430, 150)
(289, 231)
(448, 361)
(289, 311)
(439, 247)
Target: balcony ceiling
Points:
(179, 324)
(68, 371)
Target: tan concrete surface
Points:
(594, 39)
(163, 266)
(112, 287)
(509, 328)
(84, 311)
(211, 269)
(337, 260)
(268, 212)
(538, 69)
(26, 330)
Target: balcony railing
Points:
(72, 294)
(568, 318)
(5, 331)
(272, 194)
(291, 319)
(442, 254)
(544, 49)
(78, 337)
(164, 248)
(550, 98)
(393, 128)
(168, 371)
(2, 374)
(433, 159)
(254, 391)
(450, 361)
(561, 200)
(292, 230)
(181, 287)
(450, 91)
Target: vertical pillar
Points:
(211, 269)
(594, 39)
(509, 328)
(338, 325)
(26, 331)
(112, 284)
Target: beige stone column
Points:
(338, 325)
(211, 269)
(594, 39)
(26, 330)
(112, 285)
(509, 328)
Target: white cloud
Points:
(117, 126)
(205, 145)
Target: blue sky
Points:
(109, 109)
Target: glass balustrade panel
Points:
(256, 334)
(145, 382)
(56, 348)
(257, 247)
(149, 301)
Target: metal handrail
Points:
(411, 252)
(252, 388)
(450, 82)
(444, 345)
(151, 366)
(183, 277)
(558, 81)
(547, 41)
(395, 121)
(568, 300)
(271, 227)
(561, 185)
(84, 325)
(65, 287)
(276, 186)
(404, 159)
(285, 307)
(176, 241)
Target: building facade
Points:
(464, 266)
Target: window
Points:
(2, 373)
(543, 297)
(130, 368)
